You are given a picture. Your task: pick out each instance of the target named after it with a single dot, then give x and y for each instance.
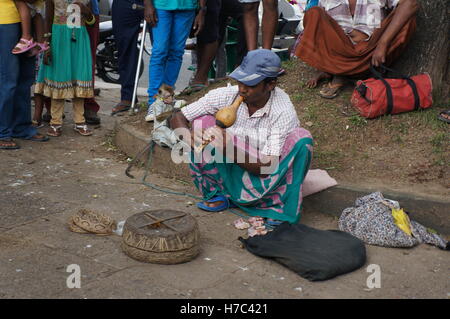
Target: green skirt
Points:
(69, 74)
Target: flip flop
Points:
(273, 222)
(38, 138)
(333, 90)
(124, 109)
(220, 198)
(442, 118)
(13, 145)
(195, 87)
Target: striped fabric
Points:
(367, 16)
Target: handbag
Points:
(382, 95)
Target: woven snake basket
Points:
(161, 236)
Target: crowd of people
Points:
(341, 39)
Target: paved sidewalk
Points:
(43, 184)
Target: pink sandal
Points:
(23, 46)
(38, 49)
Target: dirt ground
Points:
(408, 152)
(43, 184)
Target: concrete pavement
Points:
(42, 184)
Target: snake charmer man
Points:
(261, 160)
(342, 38)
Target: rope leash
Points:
(150, 147)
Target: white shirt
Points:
(266, 129)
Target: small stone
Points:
(309, 124)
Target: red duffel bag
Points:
(381, 95)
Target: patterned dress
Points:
(69, 74)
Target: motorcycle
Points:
(107, 64)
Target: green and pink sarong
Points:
(277, 196)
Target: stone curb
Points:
(425, 210)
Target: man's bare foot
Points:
(317, 77)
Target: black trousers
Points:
(126, 26)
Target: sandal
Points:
(192, 88)
(8, 144)
(330, 91)
(23, 45)
(37, 124)
(120, 107)
(38, 49)
(444, 116)
(220, 198)
(54, 130)
(38, 138)
(82, 129)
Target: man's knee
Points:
(250, 8)
(270, 5)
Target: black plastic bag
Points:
(312, 253)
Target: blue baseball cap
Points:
(256, 66)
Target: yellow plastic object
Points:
(402, 220)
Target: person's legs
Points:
(91, 106)
(39, 29)
(251, 24)
(57, 110)
(78, 117)
(38, 22)
(181, 26)
(9, 75)
(126, 26)
(269, 23)
(38, 108)
(162, 35)
(205, 59)
(21, 125)
(25, 17)
(207, 42)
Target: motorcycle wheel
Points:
(109, 72)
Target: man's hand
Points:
(197, 138)
(150, 13)
(379, 55)
(220, 138)
(199, 22)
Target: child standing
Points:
(31, 11)
(66, 72)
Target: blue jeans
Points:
(169, 39)
(16, 79)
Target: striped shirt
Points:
(367, 16)
(265, 130)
